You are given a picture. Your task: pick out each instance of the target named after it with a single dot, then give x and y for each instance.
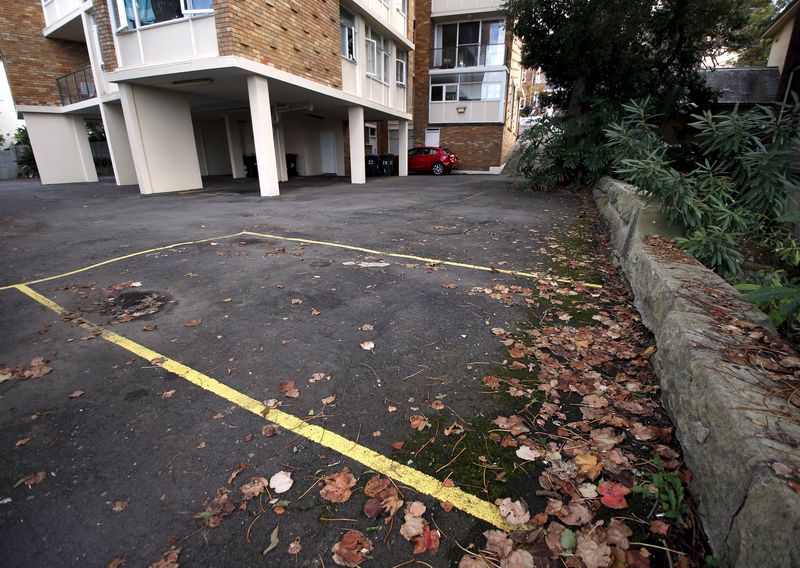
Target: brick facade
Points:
(297, 36)
(105, 34)
(33, 62)
(479, 146)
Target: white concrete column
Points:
(358, 170)
(280, 153)
(402, 149)
(61, 147)
(263, 136)
(234, 146)
(118, 144)
(161, 136)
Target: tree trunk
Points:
(576, 97)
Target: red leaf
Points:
(613, 495)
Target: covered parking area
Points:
(219, 117)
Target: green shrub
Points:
(728, 188)
(566, 149)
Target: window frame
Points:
(351, 33)
(398, 62)
(187, 11)
(402, 7)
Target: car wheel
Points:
(438, 169)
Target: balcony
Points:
(76, 87)
(453, 7)
(468, 56)
(62, 20)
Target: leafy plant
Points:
(566, 149)
(781, 301)
(669, 492)
(21, 136)
(26, 162)
(728, 188)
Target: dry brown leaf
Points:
(352, 549)
(294, 547)
(168, 560)
(22, 442)
(150, 327)
(119, 506)
(594, 554)
(76, 394)
(218, 416)
(117, 562)
(167, 394)
(269, 430)
(513, 512)
(437, 405)
(337, 486)
(418, 422)
(289, 389)
(367, 327)
(194, 322)
(254, 487)
(34, 478)
(329, 399)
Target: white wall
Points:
(780, 46)
(212, 147)
(160, 130)
(177, 40)
(54, 10)
(8, 114)
(441, 7)
(61, 147)
(302, 137)
(474, 111)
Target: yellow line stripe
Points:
(119, 258)
(423, 483)
(423, 259)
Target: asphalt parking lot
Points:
(376, 312)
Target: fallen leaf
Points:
(605, 438)
(254, 487)
(218, 416)
(201, 445)
(168, 560)
(491, 381)
(194, 322)
(314, 312)
(526, 453)
(32, 479)
(594, 554)
(613, 495)
(437, 405)
(454, 428)
(366, 327)
(589, 466)
(248, 438)
(316, 377)
(236, 470)
(368, 345)
(498, 543)
(513, 512)
(427, 541)
(376, 434)
(449, 285)
(294, 547)
(157, 360)
(167, 394)
(274, 541)
(149, 327)
(22, 442)
(518, 559)
(337, 486)
(418, 422)
(447, 506)
(288, 389)
(391, 408)
(575, 513)
(352, 549)
(117, 562)
(516, 353)
(119, 506)
(296, 301)
(329, 399)
(269, 430)
(76, 394)
(38, 369)
(281, 482)
(659, 527)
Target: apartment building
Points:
(467, 81)
(193, 88)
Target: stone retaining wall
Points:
(751, 516)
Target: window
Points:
(469, 44)
(379, 56)
(402, 6)
(468, 87)
(347, 30)
(132, 14)
(401, 65)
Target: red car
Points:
(431, 159)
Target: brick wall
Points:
(297, 36)
(33, 62)
(106, 35)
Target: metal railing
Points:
(76, 87)
(468, 56)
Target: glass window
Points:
(401, 65)
(469, 33)
(132, 13)
(386, 68)
(437, 93)
(402, 6)
(450, 92)
(372, 56)
(347, 32)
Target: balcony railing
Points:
(468, 56)
(76, 87)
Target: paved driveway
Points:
(358, 293)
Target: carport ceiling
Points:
(214, 93)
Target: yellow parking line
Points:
(423, 259)
(372, 460)
(118, 258)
